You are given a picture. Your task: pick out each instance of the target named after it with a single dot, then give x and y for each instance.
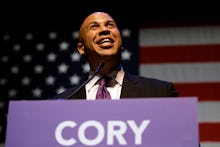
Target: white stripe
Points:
(183, 72)
(210, 144)
(209, 112)
(179, 36)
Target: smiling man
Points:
(101, 42)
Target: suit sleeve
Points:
(171, 90)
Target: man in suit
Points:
(100, 41)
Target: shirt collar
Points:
(118, 75)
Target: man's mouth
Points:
(105, 40)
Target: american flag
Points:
(189, 56)
(40, 64)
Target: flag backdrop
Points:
(40, 64)
(189, 57)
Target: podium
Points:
(137, 122)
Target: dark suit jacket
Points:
(133, 87)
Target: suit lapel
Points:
(128, 87)
(81, 94)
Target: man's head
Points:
(100, 39)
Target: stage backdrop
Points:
(39, 64)
(189, 56)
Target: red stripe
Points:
(186, 53)
(209, 131)
(204, 91)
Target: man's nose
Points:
(104, 32)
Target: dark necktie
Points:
(102, 92)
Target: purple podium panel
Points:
(142, 122)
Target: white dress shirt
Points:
(114, 90)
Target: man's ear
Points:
(80, 48)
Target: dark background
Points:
(64, 15)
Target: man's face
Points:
(101, 36)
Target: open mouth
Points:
(104, 40)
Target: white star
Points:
(1, 126)
(3, 81)
(62, 68)
(29, 36)
(12, 92)
(126, 55)
(25, 81)
(16, 47)
(38, 69)
(27, 58)
(126, 33)
(75, 35)
(86, 68)
(37, 92)
(40, 46)
(50, 80)
(64, 45)
(74, 79)
(2, 105)
(75, 56)
(52, 35)
(6, 37)
(51, 57)
(60, 90)
(14, 69)
(5, 59)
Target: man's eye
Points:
(111, 25)
(93, 27)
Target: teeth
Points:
(106, 39)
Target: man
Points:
(101, 42)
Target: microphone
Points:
(99, 67)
